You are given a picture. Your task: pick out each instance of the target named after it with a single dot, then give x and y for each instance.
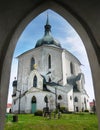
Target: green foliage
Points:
(66, 122)
(38, 113)
(55, 111)
(63, 110)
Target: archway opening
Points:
(68, 38)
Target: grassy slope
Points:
(66, 122)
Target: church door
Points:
(33, 103)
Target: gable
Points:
(33, 74)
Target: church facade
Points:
(49, 76)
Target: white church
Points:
(50, 72)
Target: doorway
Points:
(33, 104)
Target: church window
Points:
(33, 99)
(14, 102)
(84, 100)
(35, 81)
(49, 61)
(75, 99)
(32, 63)
(71, 68)
(59, 97)
(70, 97)
(49, 79)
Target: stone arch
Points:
(76, 21)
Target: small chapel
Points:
(49, 75)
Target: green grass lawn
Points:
(66, 122)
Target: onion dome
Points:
(47, 38)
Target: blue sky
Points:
(63, 32)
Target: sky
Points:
(64, 33)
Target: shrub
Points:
(63, 109)
(86, 110)
(38, 113)
(55, 111)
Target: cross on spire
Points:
(47, 26)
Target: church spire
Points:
(47, 26)
(47, 22)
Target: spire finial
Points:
(47, 22)
(47, 26)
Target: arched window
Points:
(14, 102)
(49, 79)
(35, 81)
(49, 61)
(75, 99)
(84, 100)
(32, 63)
(33, 99)
(71, 68)
(59, 97)
(70, 97)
